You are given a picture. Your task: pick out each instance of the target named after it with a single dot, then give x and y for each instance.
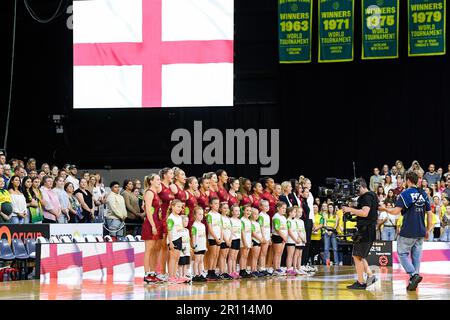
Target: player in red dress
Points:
(269, 186)
(151, 229)
(180, 183)
(244, 192)
(167, 194)
(191, 202)
(212, 184)
(257, 191)
(222, 193)
(233, 192)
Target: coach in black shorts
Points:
(366, 212)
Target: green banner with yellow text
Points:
(294, 30)
(336, 19)
(426, 27)
(380, 29)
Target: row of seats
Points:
(87, 239)
(18, 252)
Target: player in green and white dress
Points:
(279, 236)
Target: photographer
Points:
(366, 212)
(413, 203)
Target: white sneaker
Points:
(162, 277)
(341, 263)
(302, 272)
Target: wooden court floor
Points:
(329, 283)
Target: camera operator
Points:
(413, 203)
(366, 212)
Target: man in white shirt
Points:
(72, 177)
(116, 210)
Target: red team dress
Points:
(166, 196)
(232, 200)
(245, 200)
(272, 202)
(146, 227)
(255, 201)
(222, 194)
(191, 203)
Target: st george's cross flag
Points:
(153, 53)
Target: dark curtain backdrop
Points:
(370, 112)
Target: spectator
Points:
(6, 173)
(436, 209)
(31, 164)
(72, 177)
(388, 222)
(64, 201)
(35, 211)
(415, 166)
(46, 168)
(86, 175)
(5, 203)
(18, 202)
(116, 211)
(446, 192)
(394, 174)
(138, 185)
(432, 177)
(52, 207)
(447, 174)
(424, 184)
(440, 189)
(66, 169)
(87, 203)
(400, 186)
(41, 175)
(440, 172)
(20, 172)
(54, 172)
(63, 175)
(329, 237)
(13, 162)
(2, 158)
(391, 196)
(99, 196)
(401, 168)
(381, 194)
(445, 224)
(75, 211)
(316, 234)
(133, 209)
(32, 174)
(36, 183)
(385, 171)
(388, 184)
(429, 193)
(91, 183)
(375, 180)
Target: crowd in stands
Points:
(217, 218)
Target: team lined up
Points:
(220, 220)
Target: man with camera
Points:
(366, 213)
(412, 203)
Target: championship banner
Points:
(380, 29)
(336, 30)
(426, 27)
(294, 30)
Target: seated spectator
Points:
(52, 206)
(87, 203)
(63, 198)
(19, 205)
(116, 211)
(75, 211)
(35, 211)
(375, 180)
(5, 203)
(432, 177)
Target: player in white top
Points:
(257, 240)
(185, 256)
(264, 222)
(214, 221)
(292, 239)
(236, 228)
(279, 236)
(226, 244)
(246, 241)
(174, 239)
(299, 247)
(198, 238)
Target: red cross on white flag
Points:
(153, 53)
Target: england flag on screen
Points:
(153, 53)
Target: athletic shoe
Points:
(186, 279)
(260, 274)
(196, 279)
(254, 274)
(226, 276)
(279, 272)
(357, 286)
(371, 280)
(235, 275)
(151, 278)
(414, 282)
(341, 263)
(291, 272)
(302, 273)
(173, 280)
(265, 273)
(269, 272)
(244, 274)
(162, 277)
(212, 277)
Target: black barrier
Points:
(24, 231)
(380, 254)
